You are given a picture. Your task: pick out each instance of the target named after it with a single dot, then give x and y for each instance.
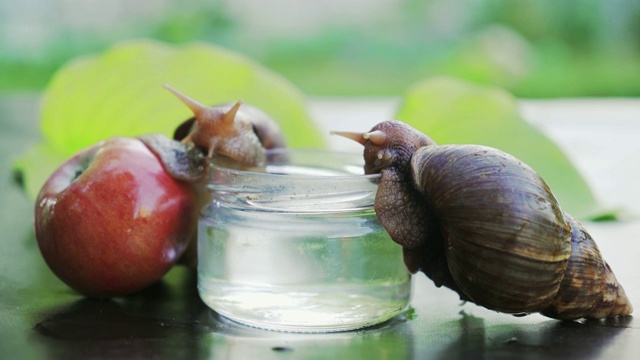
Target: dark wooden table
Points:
(40, 318)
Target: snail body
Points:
(484, 224)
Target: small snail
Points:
(237, 138)
(239, 134)
(487, 226)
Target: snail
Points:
(242, 135)
(484, 224)
(237, 135)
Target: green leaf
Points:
(453, 111)
(37, 165)
(120, 93)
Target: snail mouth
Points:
(375, 169)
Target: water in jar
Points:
(300, 271)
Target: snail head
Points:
(388, 144)
(220, 130)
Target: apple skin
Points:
(111, 221)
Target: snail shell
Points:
(486, 225)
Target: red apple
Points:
(111, 221)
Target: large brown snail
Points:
(487, 226)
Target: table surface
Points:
(40, 318)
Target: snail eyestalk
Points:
(377, 137)
(196, 107)
(230, 115)
(355, 136)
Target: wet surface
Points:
(41, 318)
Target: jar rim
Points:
(340, 189)
(348, 170)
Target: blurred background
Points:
(532, 48)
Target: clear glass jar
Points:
(298, 247)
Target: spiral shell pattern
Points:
(508, 245)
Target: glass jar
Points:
(299, 247)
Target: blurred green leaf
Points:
(120, 93)
(37, 165)
(454, 111)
